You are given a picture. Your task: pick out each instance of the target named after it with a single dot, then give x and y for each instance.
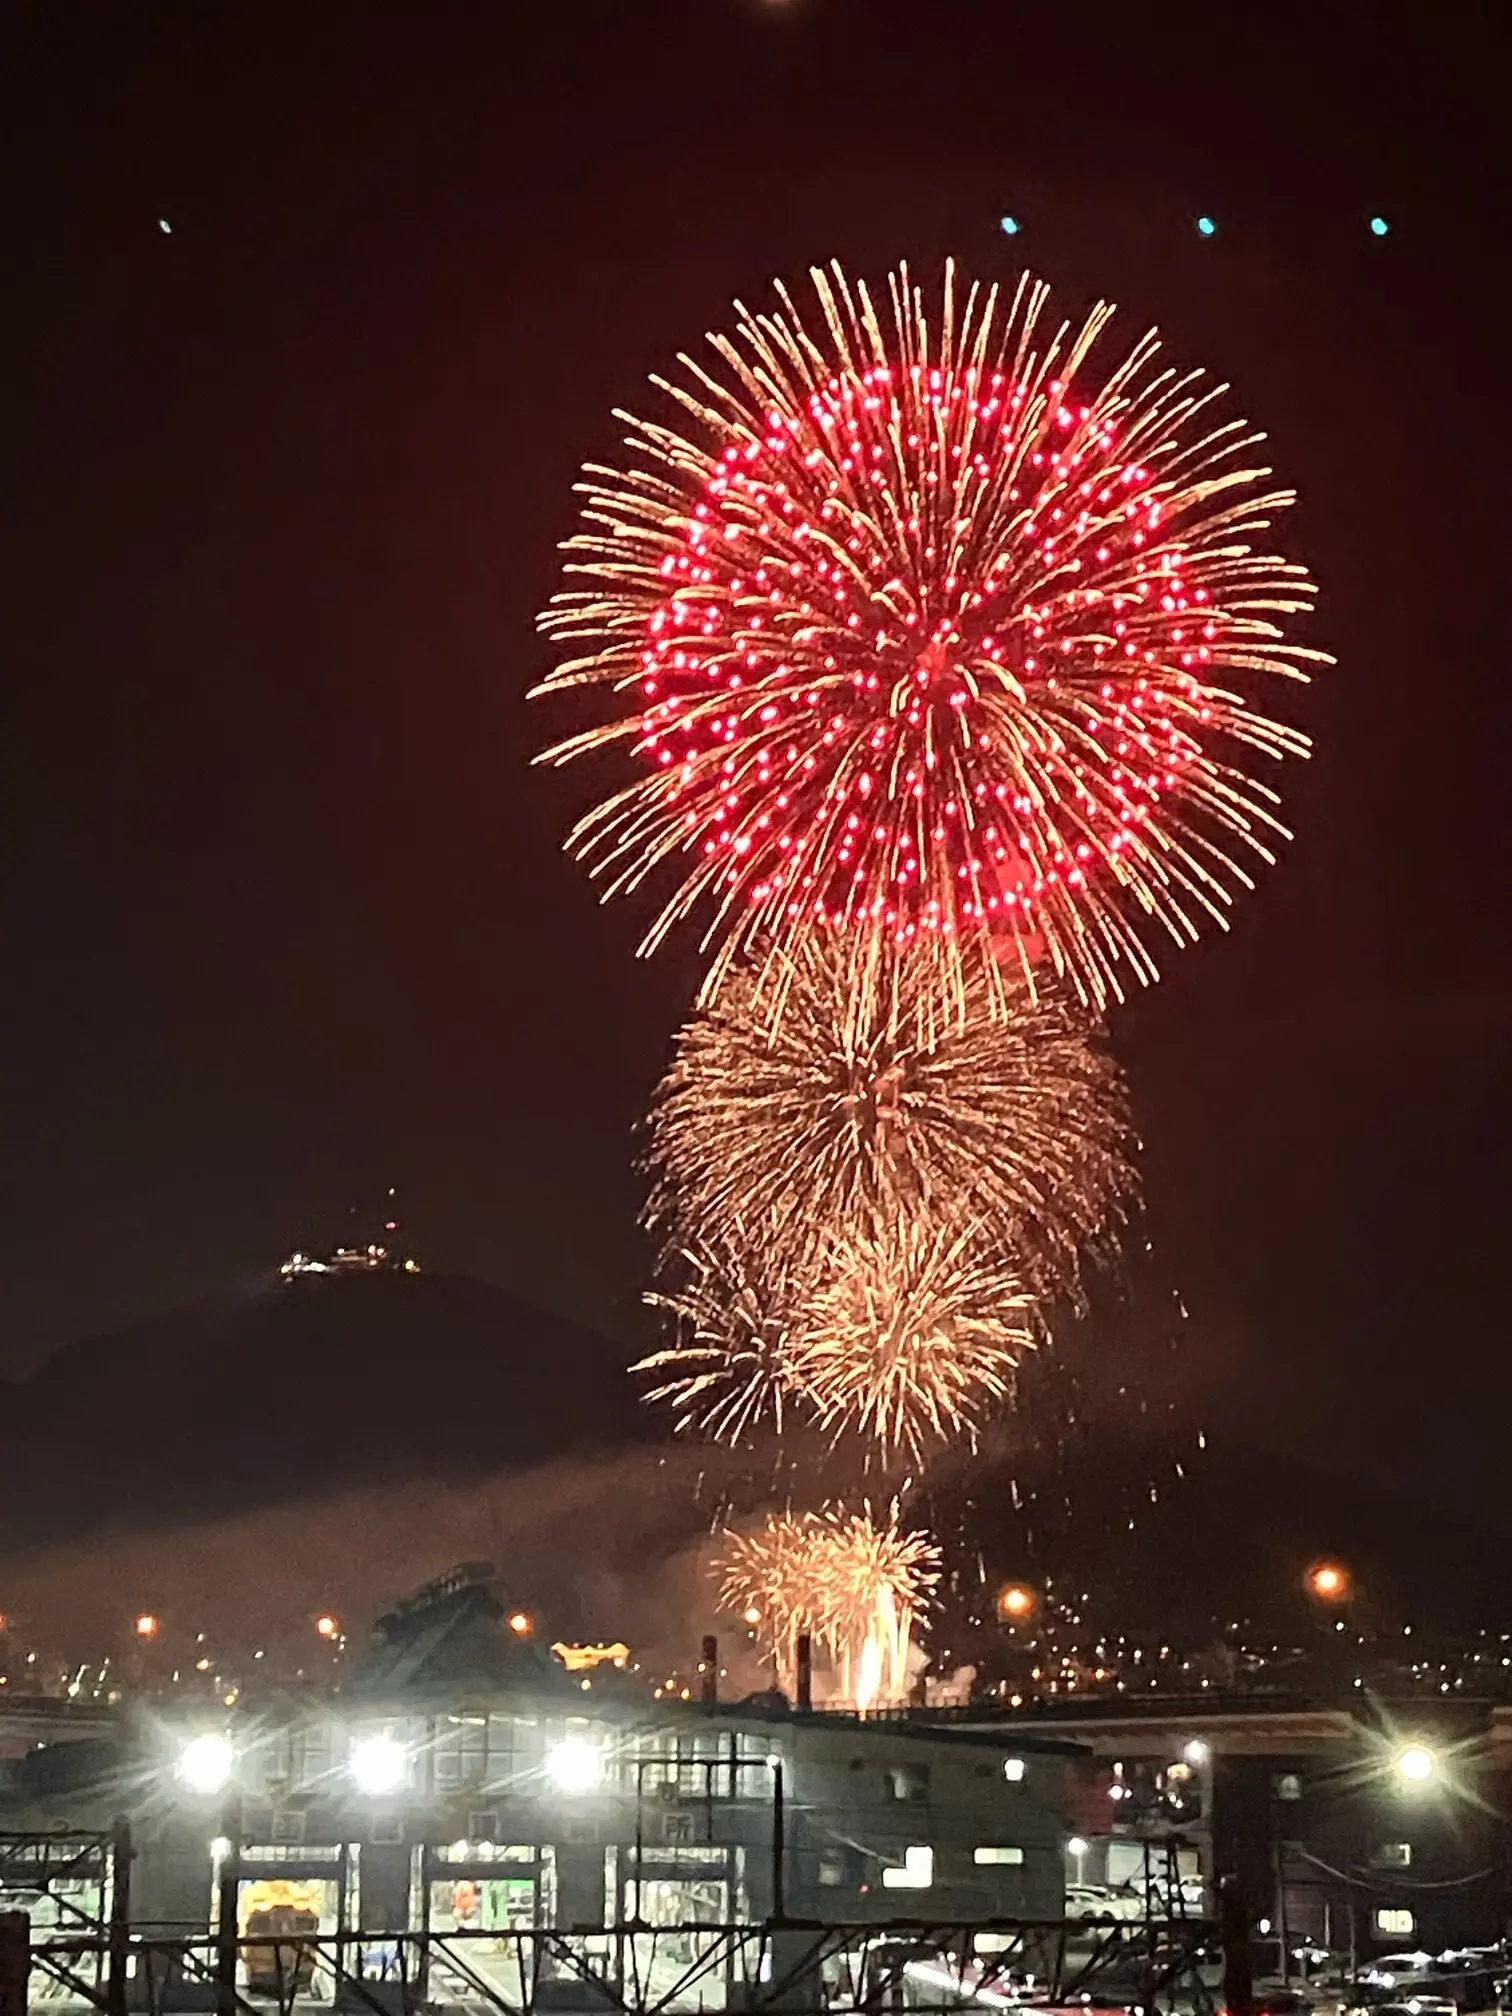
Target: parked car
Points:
(1093, 1906)
(1392, 1968)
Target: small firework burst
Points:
(856, 1585)
(911, 1339)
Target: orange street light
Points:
(1330, 1582)
(146, 1625)
(1016, 1603)
(521, 1623)
(327, 1626)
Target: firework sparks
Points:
(729, 1373)
(912, 1336)
(855, 1585)
(927, 634)
(855, 1110)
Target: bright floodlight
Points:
(205, 1763)
(1196, 1753)
(575, 1765)
(1415, 1764)
(378, 1764)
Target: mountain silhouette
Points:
(298, 1390)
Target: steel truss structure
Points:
(799, 1968)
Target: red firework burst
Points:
(926, 635)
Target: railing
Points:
(796, 1967)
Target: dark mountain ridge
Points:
(298, 1390)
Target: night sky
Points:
(284, 918)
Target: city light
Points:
(146, 1625)
(1329, 1581)
(1016, 1602)
(1196, 1753)
(575, 1765)
(205, 1764)
(327, 1625)
(378, 1764)
(521, 1623)
(1415, 1764)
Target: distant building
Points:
(1363, 1832)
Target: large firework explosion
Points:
(855, 1584)
(926, 632)
(857, 1111)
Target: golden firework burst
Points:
(728, 1373)
(911, 1337)
(817, 1102)
(855, 1583)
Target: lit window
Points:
(916, 1872)
(1392, 1855)
(1390, 1921)
(1013, 1770)
(986, 1858)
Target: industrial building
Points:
(464, 1782)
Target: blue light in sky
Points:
(1379, 227)
(1206, 227)
(1009, 226)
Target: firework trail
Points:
(932, 633)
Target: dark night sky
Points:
(283, 914)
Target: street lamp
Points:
(205, 1764)
(1196, 1753)
(378, 1764)
(575, 1765)
(1016, 1603)
(1415, 1764)
(1076, 1848)
(1330, 1582)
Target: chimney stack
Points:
(805, 1671)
